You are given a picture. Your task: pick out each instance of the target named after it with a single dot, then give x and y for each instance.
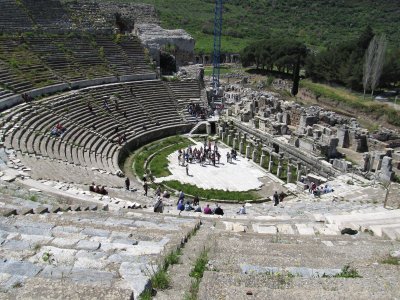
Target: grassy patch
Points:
(348, 272)
(33, 198)
(142, 154)
(200, 265)
(211, 193)
(146, 295)
(391, 261)
(281, 279)
(224, 69)
(160, 279)
(353, 101)
(159, 164)
(197, 274)
(172, 258)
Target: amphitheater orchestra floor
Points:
(240, 175)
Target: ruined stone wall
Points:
(155, 38)
(295, 115)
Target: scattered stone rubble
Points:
(314, 130)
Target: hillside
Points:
(318, 23)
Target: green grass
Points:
(391, 261)
(211, 193)
(160, 280)
(172, 258)
(197, 274)
(334, 93)
(223, 70)
(317, 23)
(142, 154)
(353, 101)
(200, 265)
(159, 163)
(348, 272)
(146, 295)
(33, 198)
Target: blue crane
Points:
(217, 44)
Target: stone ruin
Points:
(314, 130)
(191, 72)
(155, 38)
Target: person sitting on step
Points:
(218, 211)
(207, 210)
(103, 190)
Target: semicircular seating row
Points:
(91, 138)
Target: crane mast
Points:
(217, 45)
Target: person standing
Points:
(281, 196)
(187, 169)
(276, 198)
(145, 187)
(159, 206)
(127, 183)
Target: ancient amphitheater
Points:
(92, 68)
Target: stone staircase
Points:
(179, 273)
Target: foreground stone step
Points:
(42, 288)
(221, 285)
(101, 250)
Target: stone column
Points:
(208, 128)
(279, 170)
(248, 151)
(289, 174)
(270, 164)
(241, 146)
(298, 171)
(262, 157)
(254, 157)
(220, 131)
(379, 158)
(223, 136)
(229, 140)
(234, 145)
(371, 163)
(366, 157)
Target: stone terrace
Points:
(84, 252)
(247, 265)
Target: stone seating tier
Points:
(91, 137)
(186, 89)
(11, 16)
(39, 60)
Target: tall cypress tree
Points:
(296, 77)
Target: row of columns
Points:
(237, 141)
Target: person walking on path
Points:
(187, 169)
(145, 187)
(127, 183)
